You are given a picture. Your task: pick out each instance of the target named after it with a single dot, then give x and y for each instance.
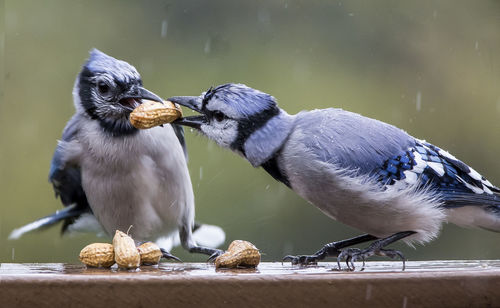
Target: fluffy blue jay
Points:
(365, 173)
(110, 175)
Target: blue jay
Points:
(362, 172)
(110, 175)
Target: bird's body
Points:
(112, 176)
(147, 169)
(365, 173)
(341, 192)
(337, 157)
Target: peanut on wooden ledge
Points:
(150, 253)
(126, 254)
(98, 255)
(123, 252)
(150, 114)
(239, 254)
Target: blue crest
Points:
(243, 100)
(99, 62)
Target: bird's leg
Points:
(376, 248)
(329, 250)
(186, 236)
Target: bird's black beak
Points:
(194, 103)
(134, 96)
(142, 93)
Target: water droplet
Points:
(264, 17)
(201, 173)
(13, 253)
(208, 45)
(419, 101)
(476, 46)
(267, 187)
(405, 301)
(164, 28)
(368, 295)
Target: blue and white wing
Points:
(368, 147)
(427, 165)
(66, 179)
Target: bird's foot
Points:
(215, 254)
(167, 255)
(302, 260)
(328, 250)
(352, 255)
(376, 248)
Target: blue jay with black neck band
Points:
(365, 173)
(110, 175)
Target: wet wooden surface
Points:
(381, 284)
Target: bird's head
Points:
(239, 118)
(107, 90)
(229, 114)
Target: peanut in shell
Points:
(151, 113)
(239, 253)
(126, 254)
(150, 253)
(98, 255)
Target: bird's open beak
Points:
(133, 97)
(194, 103)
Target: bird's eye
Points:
(219, 116)
(103, 88)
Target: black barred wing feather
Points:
(427, 165)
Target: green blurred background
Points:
(429, 67)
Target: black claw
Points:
(329, 250)
(215, 255)
(167, 255)
(351, 255)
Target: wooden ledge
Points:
(423, 284)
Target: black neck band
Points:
(249, 125)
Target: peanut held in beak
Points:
(98, 255)
(126, 254)
(151, 113)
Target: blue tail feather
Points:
(68, 212)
